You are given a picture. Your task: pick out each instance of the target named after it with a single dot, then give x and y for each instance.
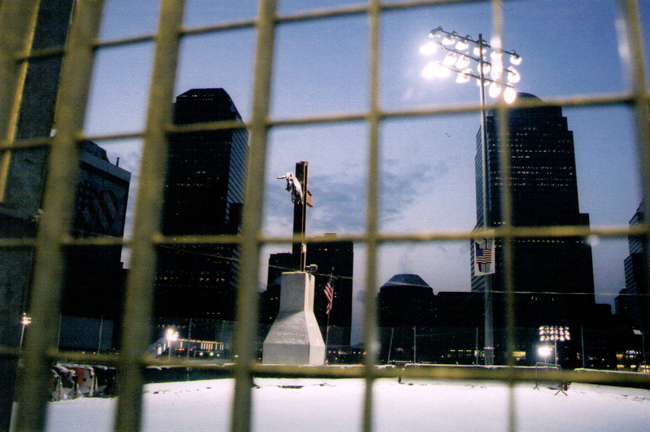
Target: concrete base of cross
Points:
(295, 338)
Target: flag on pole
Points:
(484, 256)
(329, 293)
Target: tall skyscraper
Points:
(204, 194)
(634, 303)
(553, 276)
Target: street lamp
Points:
(554, 334)
(171, 335)
(461, 52)
(25, 321)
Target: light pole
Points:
(638, 332)
(25, 321)
(461, 52)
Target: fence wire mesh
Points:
(18, 50)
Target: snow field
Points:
(336, 405)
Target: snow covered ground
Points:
(336, 405)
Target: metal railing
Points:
(18, 21)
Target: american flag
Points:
(329, 293)
(483, 256)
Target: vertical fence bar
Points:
(633, 40)
(18, 21)
(503, 134)
(55, 225)
(60, 192)
(140, 282)
(246, 324)
(372, 211)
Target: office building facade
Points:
(633, 301)
(204, 194)
(553, 277)
(95, 277)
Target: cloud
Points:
(340, 201)
(339, 204)
(404, 183)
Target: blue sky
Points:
(568, 48)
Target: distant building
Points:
(405, 301)
(553, 276)
(95, 276)
(336, 258)
(204, 195)
(633, 301)
(405, 306)
(457, 334)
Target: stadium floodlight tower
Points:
(554, 334)
(488, 59)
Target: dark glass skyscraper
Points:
(553, 276)
(634, 302)
(204, 194)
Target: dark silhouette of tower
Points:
(204, 193)
(405, 303)
(634, 302)
(553, 276)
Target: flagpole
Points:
(329, 293)
(327, 331)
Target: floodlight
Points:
(509, 95)
(429, 48)
(171, 334)
(495, 90)
(462, 45)
(435, 70)
(463, 62)
(435, 32)
(496, 72)
(513, 75)
(450, 59)
(463, 77)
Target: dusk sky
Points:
(568, 48)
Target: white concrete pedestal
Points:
(294, 338)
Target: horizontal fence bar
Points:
(372, 237)
(419, 237)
